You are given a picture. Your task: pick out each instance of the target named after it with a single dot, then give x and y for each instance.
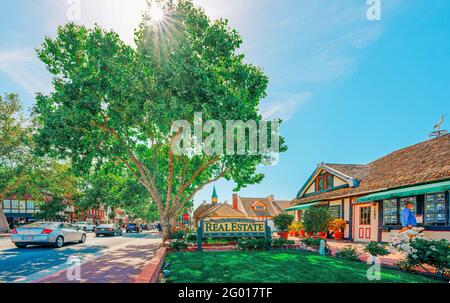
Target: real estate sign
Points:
(232, 228)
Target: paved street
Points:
(105, 259)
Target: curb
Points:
(151, 270)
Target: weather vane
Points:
(437, 129)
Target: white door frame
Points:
(365, 232)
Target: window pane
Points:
(321, 183)
(330, 181)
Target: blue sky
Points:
(350, 90)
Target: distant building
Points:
(246, 208)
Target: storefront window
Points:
(15, 205)
(435, 211)
(405, 200)
(390, 212)
(335, 211)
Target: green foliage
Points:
(178, 245)
(311, 242)
(348, 253)
(191, 238)
(316, 219)
(279, 242)
(435, 253)
(114, 105)
(376, 249)
(283, 221)
(49, 210)
(178, 234)
(253, 244)
(220, 240)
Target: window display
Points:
(390, 212)
(435, 211)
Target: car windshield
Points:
(131, 225)
(105, 226)
(80, 223)
(42, 225)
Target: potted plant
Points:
(337, 226)
(282, 223)
(316, 220)
(295, 228)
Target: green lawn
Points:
(274, 267)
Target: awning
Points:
(407, 192)
(301, 206)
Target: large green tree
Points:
(22, 173)
(113, 103)
(15, 151)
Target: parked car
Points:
(47, 233)
(85, 226)
(145, 227)
(108, 230)
(133, 227)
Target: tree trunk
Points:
(165, 225)
(4, 226)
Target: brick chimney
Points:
(235, 201)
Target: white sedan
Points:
(47, 233)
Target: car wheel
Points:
(84, 229)
(83, 238)
(20, 245)
(59, 242)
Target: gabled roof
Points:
(202, 209)
(350, 173)
(425, 162)
(222, 211)
(273, 207)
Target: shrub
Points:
(191, 238)
(316, 219)
(283, 221)
(337, 225)
(435, 253)
(280, 242)
(253, 244)
(348, 253)
(177, 234)
(296, 226)
(376, 249)
(312, 242)
(178, 245)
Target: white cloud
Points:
(283, 105)
(21, 66)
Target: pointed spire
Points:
(214, 197)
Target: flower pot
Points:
(321, 234)
(338, 235)
(283, 235)
(302, 233)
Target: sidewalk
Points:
(2, 235)
(119, 265)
